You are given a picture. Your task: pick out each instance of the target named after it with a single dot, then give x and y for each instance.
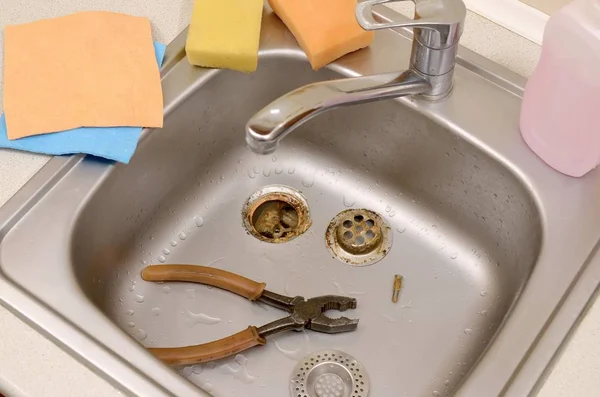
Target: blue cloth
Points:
(113, 143)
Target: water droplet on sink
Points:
(199, 221)
(468, 331)
(166, 251)
(251, 174)
(392, 214)
(453, 256)
(151, 237)
(130, 312)
(139, 298)
(278, 170)
(166, 289)
(274, 158)
(143, 262)
(132, 287)
(190, 293)
(267, 172)
(401, 229)
(293, 354)
(131, 324)
(162, 259)
(239, 369)
(156, 311)
(187, 372)
(483, 312)
(349, 201)
(221, 178)
(173, 243)
(182, 236)
(389, 318)
(388, 208)
(192, 319)
(436, 393)
(291, 170)
(483, 292)
(308, 181)
(447, 382)
(141, 335)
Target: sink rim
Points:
(61, 170)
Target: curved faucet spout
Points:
(285, 114)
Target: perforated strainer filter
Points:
(329, 373)
(358, 237)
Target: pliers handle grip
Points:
(228, 281)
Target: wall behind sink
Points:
(519, 53)
(524, 17)
(547, 6)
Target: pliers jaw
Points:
(332, 325)
(310, 314)
(323, 323)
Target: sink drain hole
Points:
(276, 214)
(275, 219)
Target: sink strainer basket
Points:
(329, 373)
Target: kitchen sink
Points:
(497, 251)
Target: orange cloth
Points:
(90, 69)
(325, 29)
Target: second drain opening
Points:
(358, 237)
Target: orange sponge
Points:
(325, 29)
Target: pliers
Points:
(304, 313)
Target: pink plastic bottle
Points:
(560, 115)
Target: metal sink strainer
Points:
(329, 373)
(358, 237)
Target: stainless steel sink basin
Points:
(497, 251)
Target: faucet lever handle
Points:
(441, 21)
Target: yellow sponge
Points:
(225, 34)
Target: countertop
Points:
(32, 366)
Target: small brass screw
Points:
(397, 287)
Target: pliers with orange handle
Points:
(304, 313)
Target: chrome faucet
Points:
(437, 26)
